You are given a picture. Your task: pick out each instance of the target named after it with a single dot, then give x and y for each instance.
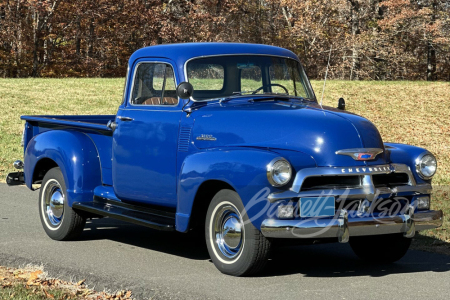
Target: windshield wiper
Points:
(272, 97)
(263, 97)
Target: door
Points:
(145, 140)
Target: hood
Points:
(286, 125)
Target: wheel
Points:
(381, 248)
(60, 221)
(235, 246)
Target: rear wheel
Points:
(381, 248)
(236, 247)
(60, 221)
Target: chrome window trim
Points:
(238, 54)
(134, 78)
(417, 161)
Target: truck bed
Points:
(89, 122)
(93, 126)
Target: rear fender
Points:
(75, 154)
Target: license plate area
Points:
(317, 207)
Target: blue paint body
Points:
(157, 159)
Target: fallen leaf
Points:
(23, 276)
(81, 282)
(33, 277)
(48, 295)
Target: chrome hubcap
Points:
(228, 230)
(54, 203)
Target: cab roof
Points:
(180, 53)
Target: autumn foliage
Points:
(370, 39)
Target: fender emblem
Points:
(361, 153)
(206, 137)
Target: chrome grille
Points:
(331, 182)
(390, 180)
(354, 181)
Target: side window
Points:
(154, 84)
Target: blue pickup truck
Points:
(230, 140)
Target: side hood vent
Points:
(184, 138)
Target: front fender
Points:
(406, 154)
(243, 169)
(76, 155)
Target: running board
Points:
(117, 210)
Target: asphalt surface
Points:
(113, 255)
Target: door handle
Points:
(125, 119)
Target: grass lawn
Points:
(415, 113)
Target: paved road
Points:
(114, 255)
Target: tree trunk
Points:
(90, 49)
(354, 13)
(77, 38)
(34, 72)
(431, 62)
(431, 52)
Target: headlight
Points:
(279, 172)
(426, 165)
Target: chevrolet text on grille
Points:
(365, 170)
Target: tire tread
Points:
(75, 222)
(253, 262)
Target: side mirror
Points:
(185, 90)
(341, 104)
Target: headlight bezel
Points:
(270, 172)
(419, 169)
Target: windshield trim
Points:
(237, 54)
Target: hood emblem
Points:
(206, 137)
(361, 153)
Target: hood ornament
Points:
(361, 153)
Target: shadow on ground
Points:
(324, 260)
(175, 243)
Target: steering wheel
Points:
(272, 84)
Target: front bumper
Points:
(342, 227)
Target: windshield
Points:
(228, 76)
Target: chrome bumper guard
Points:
(342, 228)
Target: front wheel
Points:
(59, 220)
(235, 246)
(380, 248)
